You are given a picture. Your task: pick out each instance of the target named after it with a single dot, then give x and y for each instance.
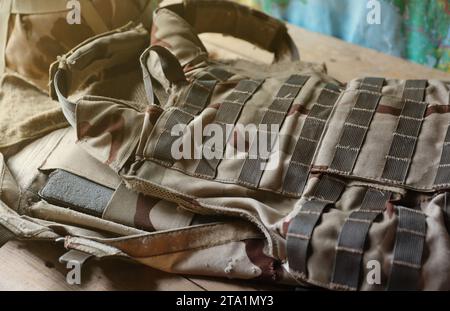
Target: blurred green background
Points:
(418, 30)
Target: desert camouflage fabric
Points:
(37, 31)
(358, 178)
(33, 33)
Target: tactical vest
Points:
(34, 32)
(354, 184)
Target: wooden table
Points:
(34, 266)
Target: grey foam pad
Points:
(77, 193)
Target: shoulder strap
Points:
(238, 21)
(96, 54)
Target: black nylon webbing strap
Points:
(253, 168)
(228, 114)
(5, 235)
(408, 250)
(196, 101)
(443, 173)
(305, 148)
(373, 84)
(218, 74)
(352, 239)
(327, 192)
(356, 126)
(408, 129)
(415, 90)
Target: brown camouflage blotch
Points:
(298, 108)
(214, 106)
(437, 109)
(390, 209)
(270, 267)
(144, 205)
(154, 114)
(285, 228)
(389, 110)
(111, 123)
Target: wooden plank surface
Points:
(34, 266)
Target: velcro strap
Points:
(352, 240)
(5, 235)
(64, 188)
(327, 192)
(408, 250)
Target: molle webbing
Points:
(415, 90)
(197, 99)
(352, 239)
(252, 170)
(408, 250)
(405, 137)
(219, 74)
(228, 113)
(5, 235)
(326, 193)
(298, 170)
(443, 173)
(357, 125)
(372, 84)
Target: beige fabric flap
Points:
(26, 112)
(38, 6)
(70, 157)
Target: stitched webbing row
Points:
(352, 239)
(228, 113)
(356, 126)
(406, 135)
(408, 250)
(196, 101)
(253, 168)
(305, 148)
(326, 193)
